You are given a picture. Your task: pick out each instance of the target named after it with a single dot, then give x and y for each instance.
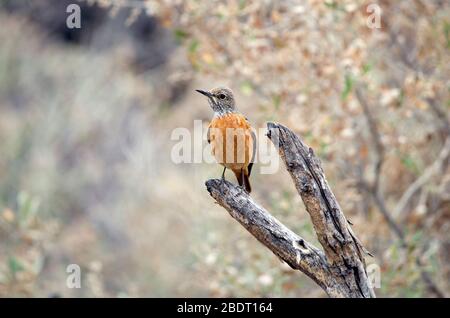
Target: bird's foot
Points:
(223, 174)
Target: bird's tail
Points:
(243, 179)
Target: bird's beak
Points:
(207, 94)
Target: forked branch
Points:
(339, 269)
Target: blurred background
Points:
(86, 117)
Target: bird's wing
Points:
(252, 160)
(208, 133)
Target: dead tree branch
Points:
(284, 243)
(340, 268)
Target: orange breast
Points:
(231, 141)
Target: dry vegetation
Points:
(85, 169)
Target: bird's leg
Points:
(223, 173)
(242, 178)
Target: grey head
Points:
(220, 99)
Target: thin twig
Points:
(438, 165)
(378, 197)
(375, 136)
(374, 189)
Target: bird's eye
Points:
(222, 96)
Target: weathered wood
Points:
(343, 250)
(284, 243)
(340, 269)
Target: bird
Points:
(231, 136)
